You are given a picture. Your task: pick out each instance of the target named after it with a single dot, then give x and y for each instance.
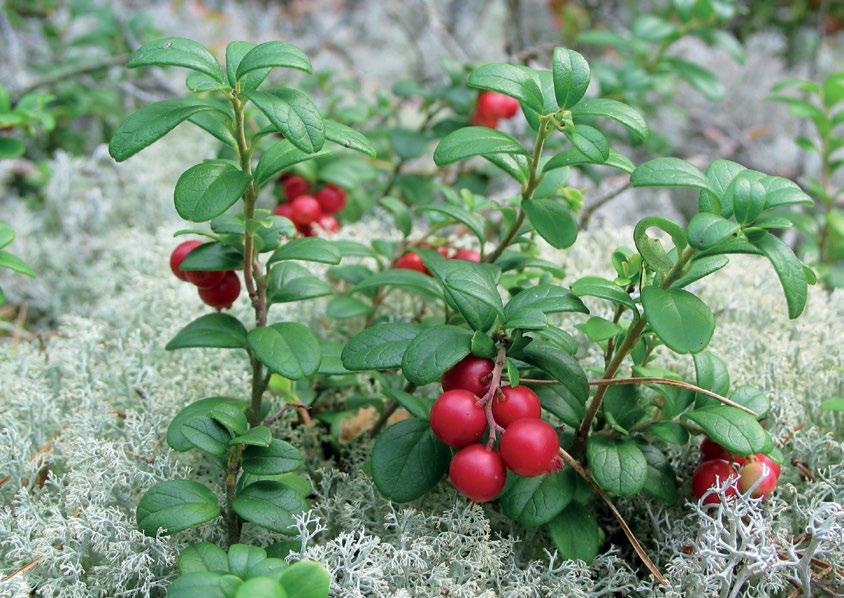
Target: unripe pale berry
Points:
(529, 447)
(457, 419)
(513, 403)
(471, 373)
(759, 467)
(331, 198)
(411, 261)
(224, 294)
(710, 474)
(304, 210)
(178, 256)
(294, 186)
(477, 473)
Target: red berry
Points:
(710, 474)
(304, 210)
(224, 294)
(294, 186)
(709, 449)
(178, 256)
(478, 473)
(515, 402)
(306, 230)
(331, 199)
(328, 223)
(457, 419)
(411, 261)
(471, 373)
(205, 278)
(467, 254)
(444, 251)
(759, 467)
(498, 105)
(484, 120)
(529, 447)
(284, 209)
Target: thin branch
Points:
(67, 73)
(589, 211)
(653, 380)
(617, 514)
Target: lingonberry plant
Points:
(822, 230)
(10, 261)
(516, 400)
(241, 107)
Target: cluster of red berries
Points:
(529, 446)
(412, 260)
(306, 210)
(217, 288)
(492, 106)
(757, 471)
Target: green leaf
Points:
(704, 80)
(553, 220)
(294, 114)
(595, 286)
(483, 345)
(260, 587)
(545, 298)
(406, 279)
(401, 215)
(619, 466)
(515, 165)
(748, 198)
(203, 407)
(149, 124)
(305, 579)
(571, 76)
(651, 249)
(701, 267)
(199, 583)
(281, 156)
(213, 256)
(257, 436)
(243, 558)
(217, 124)
(833, 404)
(660, 482)
(472, 222)
(599, 329)
(379, 347)
(574, 157)
(287, 348)
(290, 281)
(203, 556)
(176, 505)
(277, 458)
(670, 432)
(270, 505)
(628, 117)
(652, 28)
(732, 428)
(590, 142)
(512, 80)
(344, 307)
(575, 533)
(15, 264)
(230, 416)
(204, 433)
(435, 351)
(273, 54)
(407, 460)
(348, 138)
(753, 398)
(789, 270)
(7, 234)
(681, 320)
(208, 189)
(474, 293)
(558, 364)
(669, 172)
(177, 51)
(311, 249)
(710, 373)
(706, 230)
(537, 500)
(558, 400)
(11, 147)
(235, 53)
(474, 141)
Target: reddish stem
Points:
(494, 389)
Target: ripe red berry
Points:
(444, 251)
(515, 402)
(411, 261)
(223, 295)
(759, 467)
(304, 210)
(467, 254)
(496, 104)
(471, 373)
(294, 186)
(710, 474)
(284, 209)
(178, 256)
(484, 120)
(709, 449)
(477, 473)
(331, 198)
(457, 419)
(328, 223)
(205, 278)
(529, 447)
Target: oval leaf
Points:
(176, 505)
(682, 321)
(287, 348)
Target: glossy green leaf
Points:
(405, 279)
(537, 500)
(277, 458)
(553, 220)
(590, 142)
(681, 320)
(176, 505)
(305, 579)
(732, 428)
(273, 54)
(260, 587)
(475, 141)
(575, 533)
(290, 281)
(623, 114)
(208, 189)
(753, 398)
(472, 222)
(706, 230)
(558, 364)
(287, 348)
(618, 466)
(574, 157)
(703, 80)
(512, 80)
(595, 286)
(348, 138)
(198, 583)
(260, 436)
(235, 53)
(213, 256)
(669, 172)
(660, 482)
(206, 434)
(379, 347)
(789, 270)
(177, 51)
(571, 76)
(15, 264)
(270, 505)
(473, 291)
(203, 556)
(203, 407)
(435, 351)
(281, 156)
(294, 114)
(311, 249)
